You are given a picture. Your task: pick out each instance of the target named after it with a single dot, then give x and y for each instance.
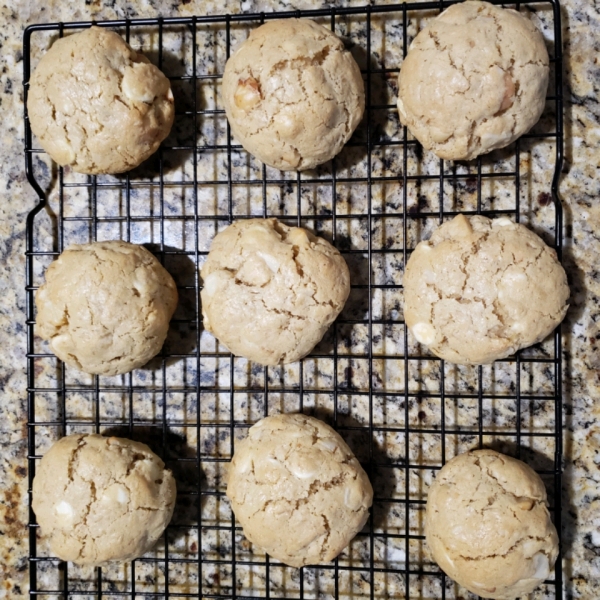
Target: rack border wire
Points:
(410, 570)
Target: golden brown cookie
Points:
(98, 105)
(293, 94)
(271, 291)
(105, 307)
(473, 80)
(101, 499)
(480, 289)
(488, 526)
(297, 489)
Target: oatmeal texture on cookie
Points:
(271, 291)
(105, 307)
(488, 527)
(293, 94)
(101, 499)
(480, 289)
(98, 105)
(297, 489)
(473, 80)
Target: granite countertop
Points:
(579, 188)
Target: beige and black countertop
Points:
(579, 189)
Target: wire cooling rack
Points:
(403, 411)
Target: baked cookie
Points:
(98, 105)
(105, 307)
(481, 289)
(488, 527)
(297, 489)
(473, 80)
(101, 499)
(271, 291)
(293, 94)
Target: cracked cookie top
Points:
(480, 289)
(297, 489)
(105, 307)
(271, 291)
(98, 105)
(101, 499)
(488, 527)
(293, 94)
(473, 80)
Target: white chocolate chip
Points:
(243, 463)
(287, 124)
(270, 261)
(328, 444)
(401, 110)
(541, 565)
(424, 332)
(115, 493)
(60, 341)
(122, 495)
(353, 497)
(63, 153)
(301, 469)
(502, 222)
(134, 85)
(216, 281)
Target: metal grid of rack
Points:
(403, 411)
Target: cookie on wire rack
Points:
(105, 307)
(488, 526)
(293, 94)
(97, 105)
(480, 289)
(473, 80)
(297, 489)
(271, 291)
(101, 499)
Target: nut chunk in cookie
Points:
(293, 94)
(480, 289)
(271, 291)
(100, 499)
(297, 489)
(98, 105)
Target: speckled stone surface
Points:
(580, 189)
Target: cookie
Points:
(297, 489)
(97, 105)
(488, 527)
(105, 307)
(474, 79)
(293, 94)
(481, 289)
(271, 291)
(100, 499)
